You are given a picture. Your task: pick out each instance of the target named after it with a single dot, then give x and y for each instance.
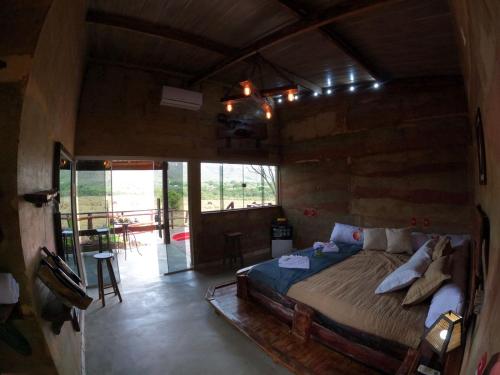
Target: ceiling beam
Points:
(166, 32)
(335, 13)
(133, 24)
(337, 40)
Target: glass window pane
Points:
(270, 184)
(232, 186)
(210, 187)
(253, 185)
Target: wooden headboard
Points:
(479, 252)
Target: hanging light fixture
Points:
(267, 110)
(247, 87)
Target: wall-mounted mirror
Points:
(64, 207)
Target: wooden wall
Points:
(377, 158)
(255, 224)
(45, 56)
(121, 115)
(479, 38)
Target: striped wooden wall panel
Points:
(378, 160)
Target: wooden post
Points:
(302, 321)
(242, 286)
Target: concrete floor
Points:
(165, 326)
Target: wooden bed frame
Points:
(393, 358)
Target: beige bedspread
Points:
(345, 293)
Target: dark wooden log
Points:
(302, 321)
(410, 362)
(242, 286)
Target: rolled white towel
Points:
(294, 261)
(327, 247)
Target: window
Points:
(232, 186)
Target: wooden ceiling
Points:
(314, 43)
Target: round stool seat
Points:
(104, 256)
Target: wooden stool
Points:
(232, 247)
(101, 257)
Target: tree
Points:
(268, 174)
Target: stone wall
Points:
(479, 37)
(378, 158)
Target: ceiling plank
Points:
(335, 13)
(337, 40)
(156, 30)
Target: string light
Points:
(268, 115)
(296, 97)
(247, 90)
(280, 100)
(229, 107)
(291, 96)
(352, 88)
(316, 93)
(329, 91)
(376, 85)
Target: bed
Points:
(335, 303)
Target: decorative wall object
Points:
(481, 155)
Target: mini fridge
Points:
(281, 238)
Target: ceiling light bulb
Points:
(329, 91)
(352, 88)
(229, 107)
(376, 85)
(291, 97)
(247, 90)
(268, 115)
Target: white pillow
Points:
(374, 239)
(451, 296)
(9, 289)
(419, 238)
(398, 240)
(407, 273)
(347, 234)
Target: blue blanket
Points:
(270, 275)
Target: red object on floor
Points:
(183, 236)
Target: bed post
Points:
(242, 286)
(302, 321)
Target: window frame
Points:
(221, 186)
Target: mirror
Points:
(64, 210)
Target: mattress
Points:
(345, 293)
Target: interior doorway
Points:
(139, 210)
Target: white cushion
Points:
(398, 240)
(407, 273)
(419, 238)
(451, 296)
(9, 289)
(347, 234)
(374, 239)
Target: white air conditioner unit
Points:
(180, 98)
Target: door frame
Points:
(189, 169)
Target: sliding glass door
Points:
(137, 209)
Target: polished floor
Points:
(165, 326)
